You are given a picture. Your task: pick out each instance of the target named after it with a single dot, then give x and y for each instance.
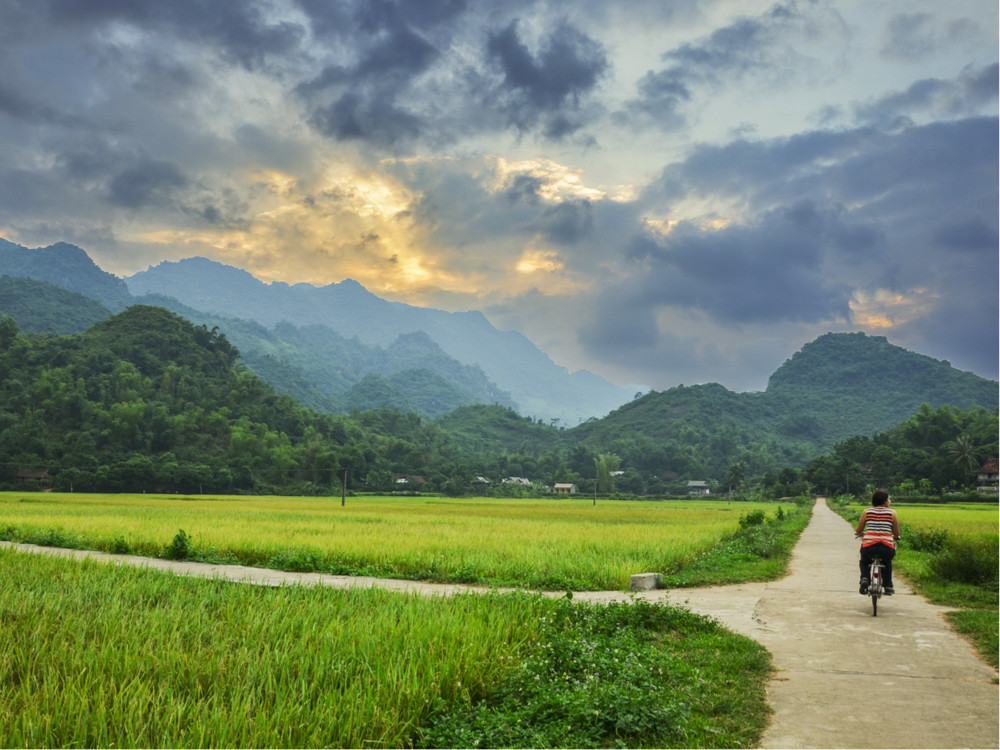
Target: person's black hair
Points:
(880, 497)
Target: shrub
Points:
(180, 547)
(972, 560)
(120, 547)
(925, 540)
(753, 518)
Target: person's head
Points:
(880, 497)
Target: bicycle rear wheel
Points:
(874, 605)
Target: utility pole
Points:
(343, 491)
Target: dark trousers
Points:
(878, 550)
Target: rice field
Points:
(548, 544)
(96, 655)
(106, 656)
(961, 519)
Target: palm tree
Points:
(605, 464)
(962, 452)
(736, 475)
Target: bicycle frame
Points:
(875, 583)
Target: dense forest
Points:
(146, 401)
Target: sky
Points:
(661, 192)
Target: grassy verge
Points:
(621, 675)
(950, 556)
(758, 551)
(96, 655)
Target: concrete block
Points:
(645, 581)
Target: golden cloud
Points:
(882, 308)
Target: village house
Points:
(35, 478)
(988, 477)
(698, 487)
(517, 480)
(564, 488)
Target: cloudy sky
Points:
(659, 191)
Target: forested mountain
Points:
(320, 368)
(66, 266)
(41, 307)
(537, 386)
(146, 400)
(853, 384)
(317, 344)
(329, 372)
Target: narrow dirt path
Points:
(844, 679)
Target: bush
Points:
(972, 560)
(753, 518)
(180, 547)
(925, 540)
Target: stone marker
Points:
(645, 581)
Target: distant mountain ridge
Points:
(317, 343)
(539, 387)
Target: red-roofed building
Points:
(988, 476)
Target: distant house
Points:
(35, 478)
(698, 487)
(988, 477)
(564, 488)
(480, 480)
(409, 479)
(517, 480)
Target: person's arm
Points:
(896, 534)
(861, 524)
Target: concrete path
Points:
(844, 679)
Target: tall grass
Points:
(100, 656)
(107, 656)
(546, 544)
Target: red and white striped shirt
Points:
(878, 521)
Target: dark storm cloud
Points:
(768, 271)
(239, 30)
(546, 88)
(970, 93)
(148, 181)
(331, 18)
(832, 214)
(365, 96)
(725, 55)
(566, 223)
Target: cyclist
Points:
(879, 531)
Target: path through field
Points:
(844, 679)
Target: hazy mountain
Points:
(66, 266)
(537, 385)
(317, 344)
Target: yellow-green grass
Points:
(957, 518)
(554, 544)
(106, 656)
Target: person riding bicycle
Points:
(879, 531)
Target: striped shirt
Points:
(878, 526)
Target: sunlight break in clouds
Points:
(883, 309)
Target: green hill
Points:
(41, 307)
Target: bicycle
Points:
(875, 583)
